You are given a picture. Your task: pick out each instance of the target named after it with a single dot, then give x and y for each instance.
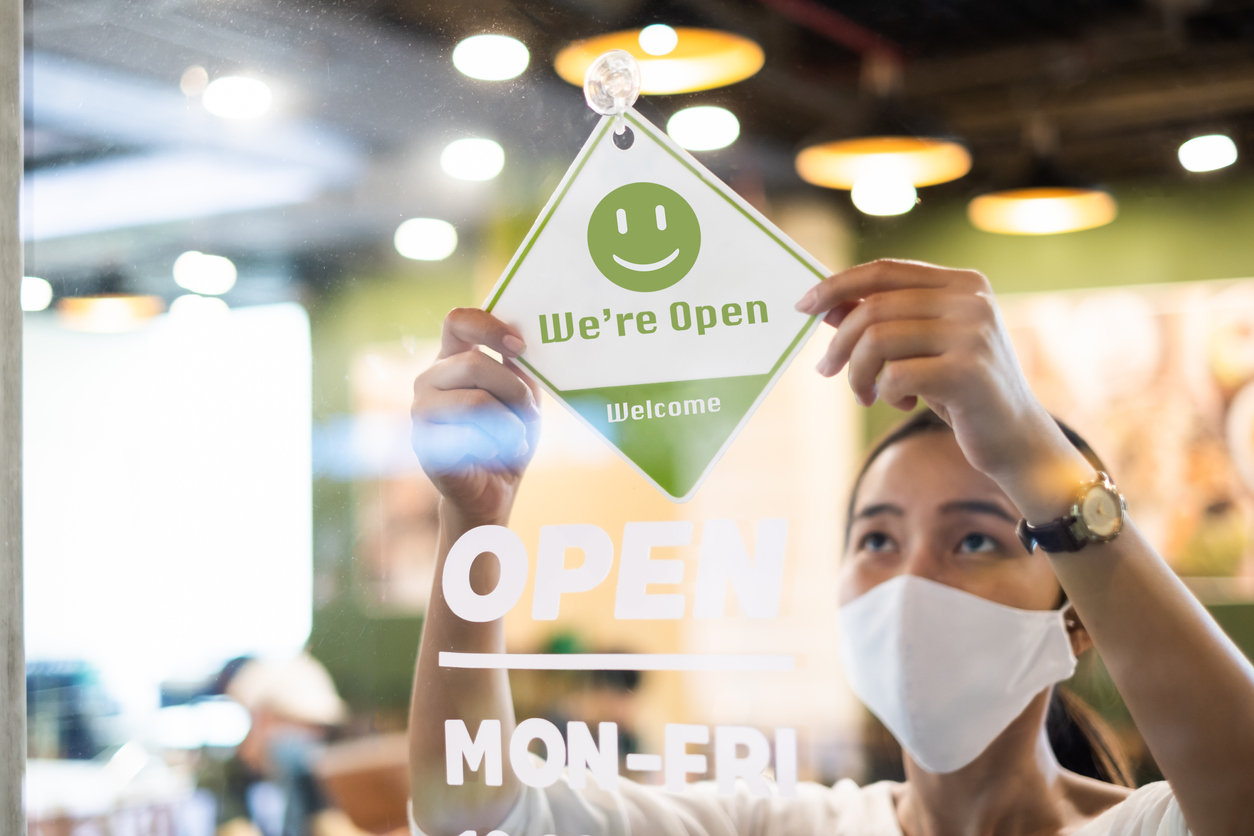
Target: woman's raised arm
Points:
(476, 423)
(908, 330)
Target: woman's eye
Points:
(975, 543)
(875, 541)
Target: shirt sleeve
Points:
(1150, 811)
(699, 811)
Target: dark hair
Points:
(927, 421)
(1080, 738)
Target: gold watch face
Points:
(1101, 513)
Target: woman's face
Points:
(923, 510)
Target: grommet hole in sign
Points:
(624, 138)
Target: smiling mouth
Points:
(647, 268)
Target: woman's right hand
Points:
(476, 420)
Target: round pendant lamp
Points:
(1048, 201)
(921, 161)
(108, 313)
(678, 60)
(1042, 210)
(109, 309)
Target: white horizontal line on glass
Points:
(644, 763)
(620, 661)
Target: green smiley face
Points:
(643, 237)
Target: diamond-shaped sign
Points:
(656, 304)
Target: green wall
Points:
(1184, 230)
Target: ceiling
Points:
(367, 96)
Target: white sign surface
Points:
(656, 303)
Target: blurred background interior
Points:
(244, 222)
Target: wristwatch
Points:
(1096, 517)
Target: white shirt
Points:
(843, 810)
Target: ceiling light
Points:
(426, 239)
(111, 313)
(472, 159)
(194, 81)
(491, 57)
(236, 97)
(700, 59)
(703, 128)
(658, 39)
(204, 274)
(1042, 210)
(191, 307)
(920, 161)
(1207, 153)
(883, 193)
(36, 293)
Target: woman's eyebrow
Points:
(881, 508)
(976, 506)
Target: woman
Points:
(933, 555)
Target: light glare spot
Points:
(658, 39)
(205, 274)
(883, 193)
(472, 159)
(236, 97)
(426, 239)
(36, 293)
(194, 81)
(491, 57)
(191, 307)
(704, 128)
(1207, 153)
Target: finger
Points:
(877, 277)
(465, 328)
(837, 314)
(476, 370)
(880, 307)
(445, 448)
(477, 408)
(888, 341)
(905, 381)
(526, 378)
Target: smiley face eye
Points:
(622, 221)
(660, 212)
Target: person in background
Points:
(267, 787)
(985, 551)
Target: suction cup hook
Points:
(611, 87)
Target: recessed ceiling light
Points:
(426, 239)
(237, 97)
(491, 57)
(658, 39)
(703, 128)
(207, 275)
(472, 159)
(883, 193)
(1207, 153)
(36, 293)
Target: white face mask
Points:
(947, 671)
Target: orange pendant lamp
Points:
(681, 59)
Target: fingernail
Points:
(807, 301)
(523, 447)
(515, 345)
(824, 367)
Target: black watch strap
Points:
(1056, 536)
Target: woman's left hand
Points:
(909, 330)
